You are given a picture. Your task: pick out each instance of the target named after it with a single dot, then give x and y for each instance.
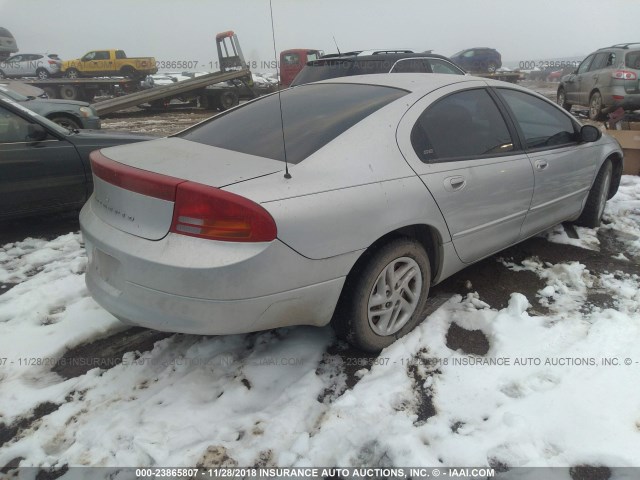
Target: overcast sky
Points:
(185, 30)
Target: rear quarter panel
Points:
(349, 193)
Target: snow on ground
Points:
(543, 395)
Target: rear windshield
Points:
(326, 69)
(632, 60)
(313, 115)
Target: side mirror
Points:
(575, 72)
(589, 133)
(36, 132)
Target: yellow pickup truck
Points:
(105, 63)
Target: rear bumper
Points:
(630, 101)
(137, 305)
(185, 284)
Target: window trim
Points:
(523, 139)
(515, 139)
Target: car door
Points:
(463, 148)
(37, 176)
(591, 79)
(563, 169)
(573, 85)
(101, 63)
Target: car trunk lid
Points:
(135, 185)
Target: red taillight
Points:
(52, 62)
(624, 75)
(207, 212)
(134, 179)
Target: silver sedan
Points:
(340, 201)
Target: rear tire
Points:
(70, 92)
(594, 207)
(383, 298)
(492, 67)
(2, 75)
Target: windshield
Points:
(313, 115)
(323, 70)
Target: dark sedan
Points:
(43, 166)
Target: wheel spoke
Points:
(394, 322)
(394, 296)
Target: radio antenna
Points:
(287, 175)
(334, 41)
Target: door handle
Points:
(541, 164)
(454, 184)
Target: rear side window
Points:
(313, 115)
(411, 65)
(542, 124)
(461, 125)
(440, 66)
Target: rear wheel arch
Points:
(617, 165)
(414, 247)
(428, 236)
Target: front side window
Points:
(586, 63)
(542, 124)
(313, 115)
(600, 61)
(89, 56)
(13, 128)
(462, 125)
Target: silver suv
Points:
(41, 65)
(607, 78)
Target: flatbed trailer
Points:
(222, 98)
(82, 88)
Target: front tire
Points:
(72, 73)
(562, 100)
(66, 122)
(383, 299)
(594, 207)
(595, 106)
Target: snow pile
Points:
(552, 390)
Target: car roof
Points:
(419, 82)
(412, 82)
(351, 56)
